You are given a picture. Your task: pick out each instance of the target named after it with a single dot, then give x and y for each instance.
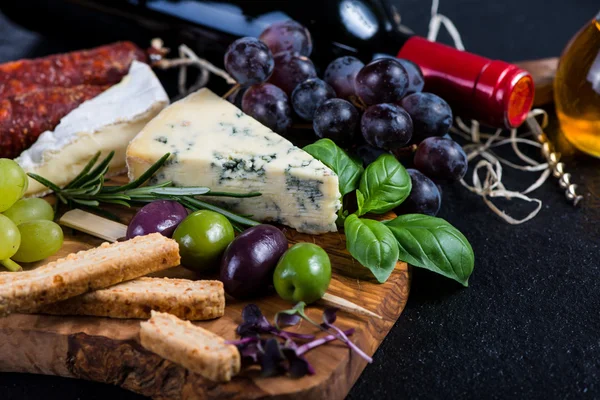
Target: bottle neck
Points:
(495, 92)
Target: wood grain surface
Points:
(108, 350)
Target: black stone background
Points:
(528, 326)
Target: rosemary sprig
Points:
(195, 204)
(88, 190)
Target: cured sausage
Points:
(103, 65)
(25, 117)
(35, 94)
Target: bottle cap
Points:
(495, 93)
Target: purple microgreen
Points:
(342, 336)
(290, 344)
(271, 359)
(329, 315)
(249, 352)
(297, 365)
(300, 311)
(293, 335)
(254, 322)
(286, 318)
(276, 356)
(252, 314)
(318, 342)
(250, 330)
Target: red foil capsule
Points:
(493, 92)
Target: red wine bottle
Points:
(494, 92)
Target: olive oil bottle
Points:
(577, 89)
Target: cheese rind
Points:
(105, 123)
(214, 144)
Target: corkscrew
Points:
(553, 158)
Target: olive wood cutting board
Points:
(108, 350)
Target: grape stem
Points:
(187, 58)
(358, 103)
(231, 91)
(11, 265)
(405, 151)
(190, 58)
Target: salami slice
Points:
(25, 117)
(104, 65)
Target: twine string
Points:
(187, 58)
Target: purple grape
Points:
(424, 197)
(368, 154)
(416, 81)
(290, 70)
(309, 95)
(386, 126)
(269, 105)
(341, 75)
(431, 115)
(287, 36)
(441, 159)
(382, 81)
(336, 119)
(249, 61)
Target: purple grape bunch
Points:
(378, 108)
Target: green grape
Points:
(39, 239)
(10, 238)
(13, 183)
(26, 210)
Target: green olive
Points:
(303, 273)
(203, 236)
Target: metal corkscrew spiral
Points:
(553, 158)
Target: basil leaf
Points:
(384, 186)
(360, 201)
(434, 244)
(372, 244)
(347, 169)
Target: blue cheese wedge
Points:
(105, 123)
(214, 144)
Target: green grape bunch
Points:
(27, 230)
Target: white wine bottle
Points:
(577, 89)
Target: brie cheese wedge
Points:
(214, 144)
(105, 123)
